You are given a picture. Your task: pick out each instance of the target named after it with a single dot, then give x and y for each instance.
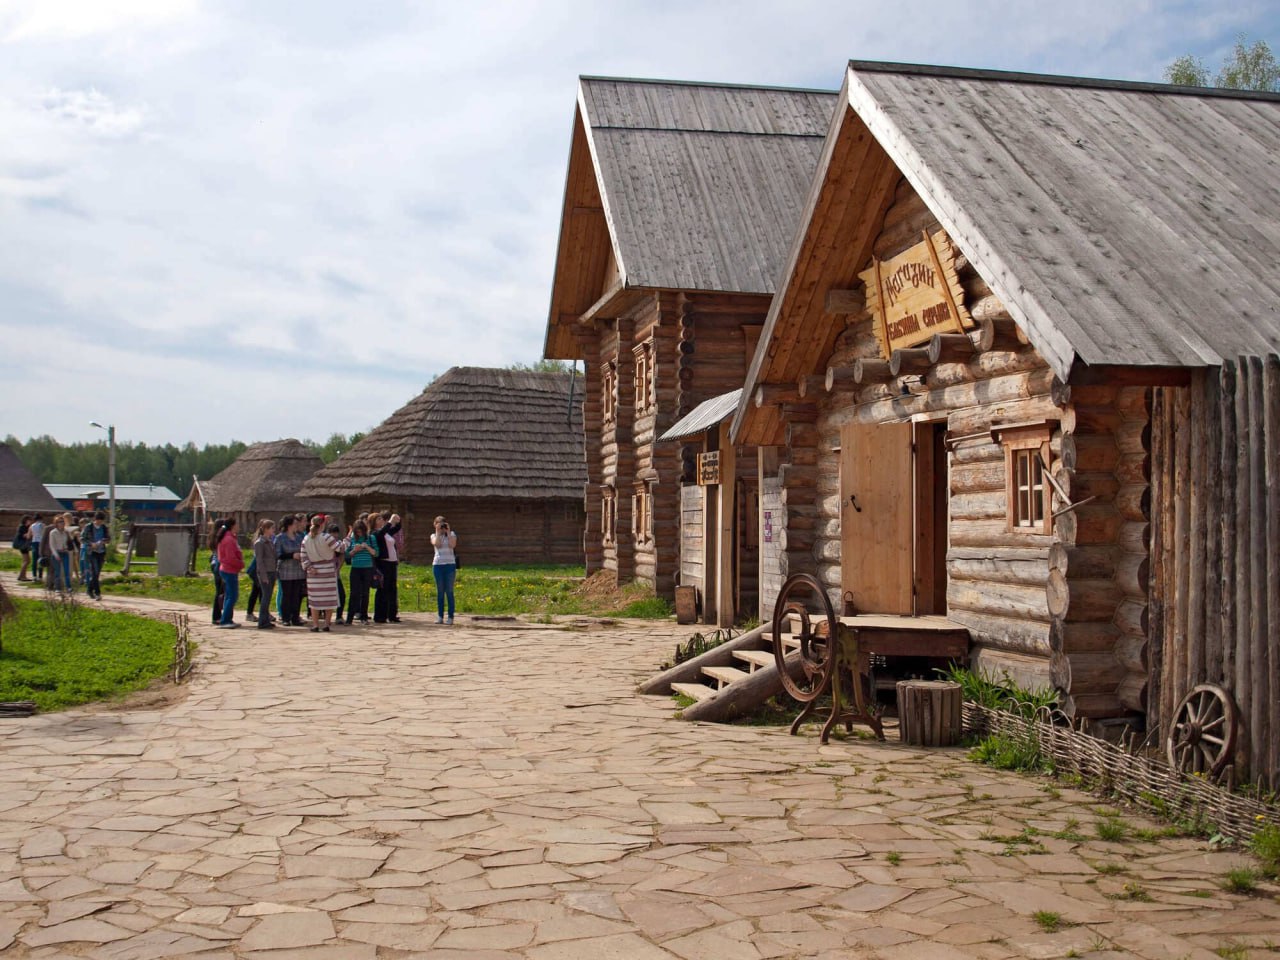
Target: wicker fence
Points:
(1140, 778)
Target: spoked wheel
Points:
(816, 652)
(1202, 738)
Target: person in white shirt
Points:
(444, 567)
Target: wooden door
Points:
(877, 491)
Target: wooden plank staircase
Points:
(717, 678)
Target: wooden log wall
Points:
(592, 413)
(1065, 608)
(1215, 585)
(617, 449)
(657, 557)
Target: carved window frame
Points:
(609, 392)
(608, 515)
(642, 513)
(644, 389)
(1028, 489)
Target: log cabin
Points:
(1045, 313)
(21, 493)
(680, 201)
(497, 452)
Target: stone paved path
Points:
(498, 792)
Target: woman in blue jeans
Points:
(444, 567)
(230, 563)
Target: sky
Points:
(255, 219)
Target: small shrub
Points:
(1048, 920)
(1265, 845)
(1241, 880)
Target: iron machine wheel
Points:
(1202, 736)
(816, 652)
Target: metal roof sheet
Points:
(124, 491)
(1120, 223)
(707, 414)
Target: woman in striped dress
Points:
(321, 556)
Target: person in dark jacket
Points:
(386, 604)
(265, 569)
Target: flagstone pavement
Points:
(496, 790)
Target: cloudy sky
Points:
(248, 219)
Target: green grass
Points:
(1006, 752)
(1111, 829)
(1048, 920)
(488, 590)
(61, 656)
(1265, 845)
(1241, 880)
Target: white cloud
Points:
(219, 195)
(57, 20)
(95, 111)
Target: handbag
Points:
(457, 561)
(377, 579)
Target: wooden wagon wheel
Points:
(1202, 736)
(816, 653)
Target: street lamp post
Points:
(111, 473)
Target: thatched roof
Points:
(266, 478)
(474, 432)
(20, 490)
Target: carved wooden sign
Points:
(916, 294)
(709, 468)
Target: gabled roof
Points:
(19, 489)
(680, 186)
(1120, 223)
(707, 414)
(474, 432)
(124, 491)
(266, 478)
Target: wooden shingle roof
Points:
(266, 478)
(681, 186)
(20, 490)
(1121, 223)
(474, 432)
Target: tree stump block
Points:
(929, 712)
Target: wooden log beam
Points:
(950, 348)
(909, 361)
(870, 371)
(997, 333)
(772, 394)
(691, 670)
(808, 387)
(841, 378)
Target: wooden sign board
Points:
(709, 468)
(916, 294)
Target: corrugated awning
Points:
(707, 414)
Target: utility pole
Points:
(111, 473)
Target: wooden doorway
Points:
(893, 517)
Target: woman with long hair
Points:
(289, 569)
(265, 566)
(362, 553)
(320, 557)
(230, 564)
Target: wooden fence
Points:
(1215, 551)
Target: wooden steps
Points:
(723, 676)
(755, 659)
(698, 691)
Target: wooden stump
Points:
(686, 605)
(929, 712)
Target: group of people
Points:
(303, 557)
(48, 546)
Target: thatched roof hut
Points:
(21, 492)
(264, 481)
(497, 451)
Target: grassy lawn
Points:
(496, 591)
(66, 656)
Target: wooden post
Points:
(724, 541)
(929, 712)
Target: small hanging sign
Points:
(709, 468)
(916, 294)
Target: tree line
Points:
(164, 465)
